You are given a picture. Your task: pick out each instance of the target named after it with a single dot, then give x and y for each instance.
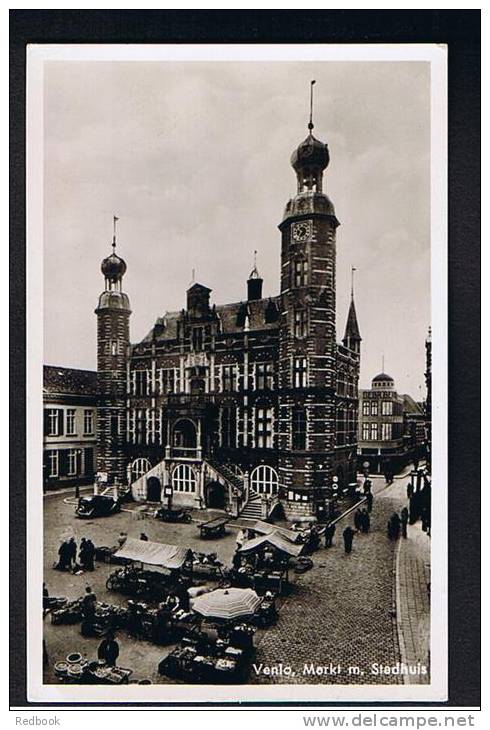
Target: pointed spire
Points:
(310, 123)
(352, 327)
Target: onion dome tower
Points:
(113, 313)
(307, 335)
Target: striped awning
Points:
(227, 603)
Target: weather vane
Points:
(310, 124)
(115, 219)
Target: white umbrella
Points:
(227, 603)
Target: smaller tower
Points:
(352, 337)
(254, 283)
(113, 313)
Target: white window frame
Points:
(71, 421)
(184, 479)
(54, 463)
(72, 462)
(264, 416)
(300, 366)
(264, 480)
(88, 418)
(53, 421)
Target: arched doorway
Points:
(215, 495)
(153, 489)
(185, 436)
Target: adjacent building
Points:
(247, 406)
(70, 426)
(392, 427)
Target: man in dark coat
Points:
(348, 536)
(366, 522)
(358, 520)
(404, 521)
(329, 533)
(369, 501)
(72, 552)
(63, 553)
(395, 519)
(108, 650)
(89, 555)
(409, 490)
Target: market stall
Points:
(173, 563)
(264, 562)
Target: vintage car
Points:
(173, 515)
(98, 505)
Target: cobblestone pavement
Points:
(340, 612)
(413, 600)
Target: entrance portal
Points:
(153, 489)
(215, 495)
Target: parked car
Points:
(173, 515)
(98, 505)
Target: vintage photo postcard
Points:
(236, 265)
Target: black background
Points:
(460, 29)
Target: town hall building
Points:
(251, 406)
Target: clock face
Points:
(301, 231)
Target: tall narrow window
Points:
(300, 323)
(299, 429)
(263, 421)
(53, 464)
(70, 422)
(374, 408)
(88, 422)
(387, 408)
(365, 431)
(386, 432)
(228, 427)
(374, 431)
(300, 272)
(197, 339)
(142, 382)
(300, 372)
(365, 408)
(264, 375)
(228, 374)
(54, 421)
(72, 462)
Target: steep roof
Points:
(231, 316)
(69, 381)
(352, 327)
(410, 406)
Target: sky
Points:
(194, 159)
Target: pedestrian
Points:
(367, 486)
(90, 555)
(144, 537)
(329, 533)
(409, 490)
(108, 650)
(348, 536)
(366, 522)
(390, 529)
(240, 539)
(396, 525)
(358, 520)
(122, 537)
(82, 552)
(404, 522)
(71, 552)
(369, 501)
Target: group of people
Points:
(362, 521)
(397, 523)
(67, 555)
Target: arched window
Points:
(183, 478)
(185, 434)
(264, 480)
(138, 468)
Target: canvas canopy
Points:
(266, 529)
(154, 553)
(273, 539)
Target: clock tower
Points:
(307, 339)
(113, 312)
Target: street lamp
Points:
(77, 485)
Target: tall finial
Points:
(353, 268)
(383, 362)
(255, 259)
(193, 276)
(310, 124)
(115, 219)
